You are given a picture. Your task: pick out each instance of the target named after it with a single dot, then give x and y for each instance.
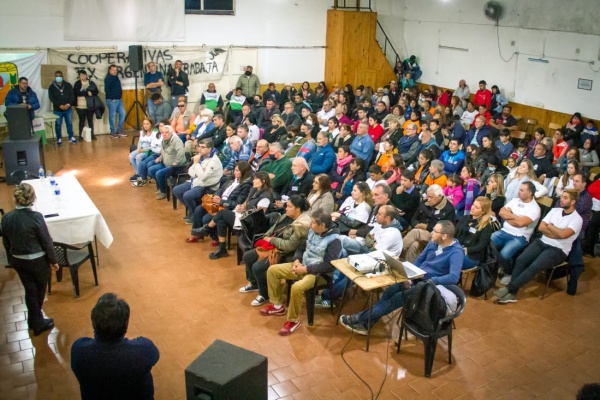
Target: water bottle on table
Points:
(41, 173)
(51, 179)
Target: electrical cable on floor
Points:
(351, 369)
(499, 51)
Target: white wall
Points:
(257, 23)
(429, 24)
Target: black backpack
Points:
(486, 275)
(423, 306)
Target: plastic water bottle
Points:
(52, 179)
(56, 190)
(42, 173)
(56, 196)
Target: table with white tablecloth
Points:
(78, 219)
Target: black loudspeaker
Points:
(224, 371)
(25, 155)
(19, 122)
(136, 58)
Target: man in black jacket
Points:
(406, 197)
(541, 164)
(218, 133)
(434, 208)
(62, 96)
(301, 182)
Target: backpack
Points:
(423, 306)
(486, 275)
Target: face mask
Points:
(272, 157)
(248, 73)
(256, 102)
(492, 169)
(59, 79)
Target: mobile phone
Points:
(51, 215)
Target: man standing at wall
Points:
(114, 102)
(249, 83)
(153, 81)
(62, 97)
(178, 81)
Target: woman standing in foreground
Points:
(30, 252)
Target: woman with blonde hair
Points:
(30, 251)
(277, 129)
(494, 190)
(524, 173)
(474, 232)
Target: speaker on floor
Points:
(19, 122)
(136, 58)
(224, 371)
(25, 155)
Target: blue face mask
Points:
(59, 79)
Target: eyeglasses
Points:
(180, 105)
(201, 147)
(438, 232)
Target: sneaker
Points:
(505, 280)
(356, 327)
(157, 191)
(271, 310)
(73, 140)
(161, 196)
(500, 293)
(121, 134)
(248, 288)
(289, 327)
(509, 298)
(322, 303)
(59, 142)
(139, 183)
(258, 301)
(114, 136)
(134, 178)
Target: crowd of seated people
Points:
(395, 168)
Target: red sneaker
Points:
(271, 310)
(289, 327)
(214, 243)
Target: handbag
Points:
(272, 255)
(209, 205)
(254, 222)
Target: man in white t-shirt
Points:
(385, 235)
(323, 116)
(559, 228)
(520, 218)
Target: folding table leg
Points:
(337, 321)
(369, 323)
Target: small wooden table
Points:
(365, 283)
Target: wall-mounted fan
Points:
(493, 10)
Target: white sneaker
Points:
(505, 280)
(258, 301)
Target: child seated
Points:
(453, 190)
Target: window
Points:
(211, 7)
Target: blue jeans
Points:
(68, 117)
(137, 159)
(391, 300)
(115, 106)
(146, 164)
(188, 195)
(353, 246)
(151, 109)
(201, 217)
(469, 263)
(337, 286)
(507, 245)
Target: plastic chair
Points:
(72, 257)
(21, 175)
(444, 328)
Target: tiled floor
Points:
(183, 302)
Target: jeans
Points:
(391, 300)
(146, 164)
(224, 219)
(256, 272)
(337, 286)
(151, 109)
(160, 173)
(353, 246)
(137, 159)
(201, 217)
(68, 117)
(115, 106)
(188, 195)
(507, 245)
(537, 257)
(469, 263)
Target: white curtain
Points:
(124, 20)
